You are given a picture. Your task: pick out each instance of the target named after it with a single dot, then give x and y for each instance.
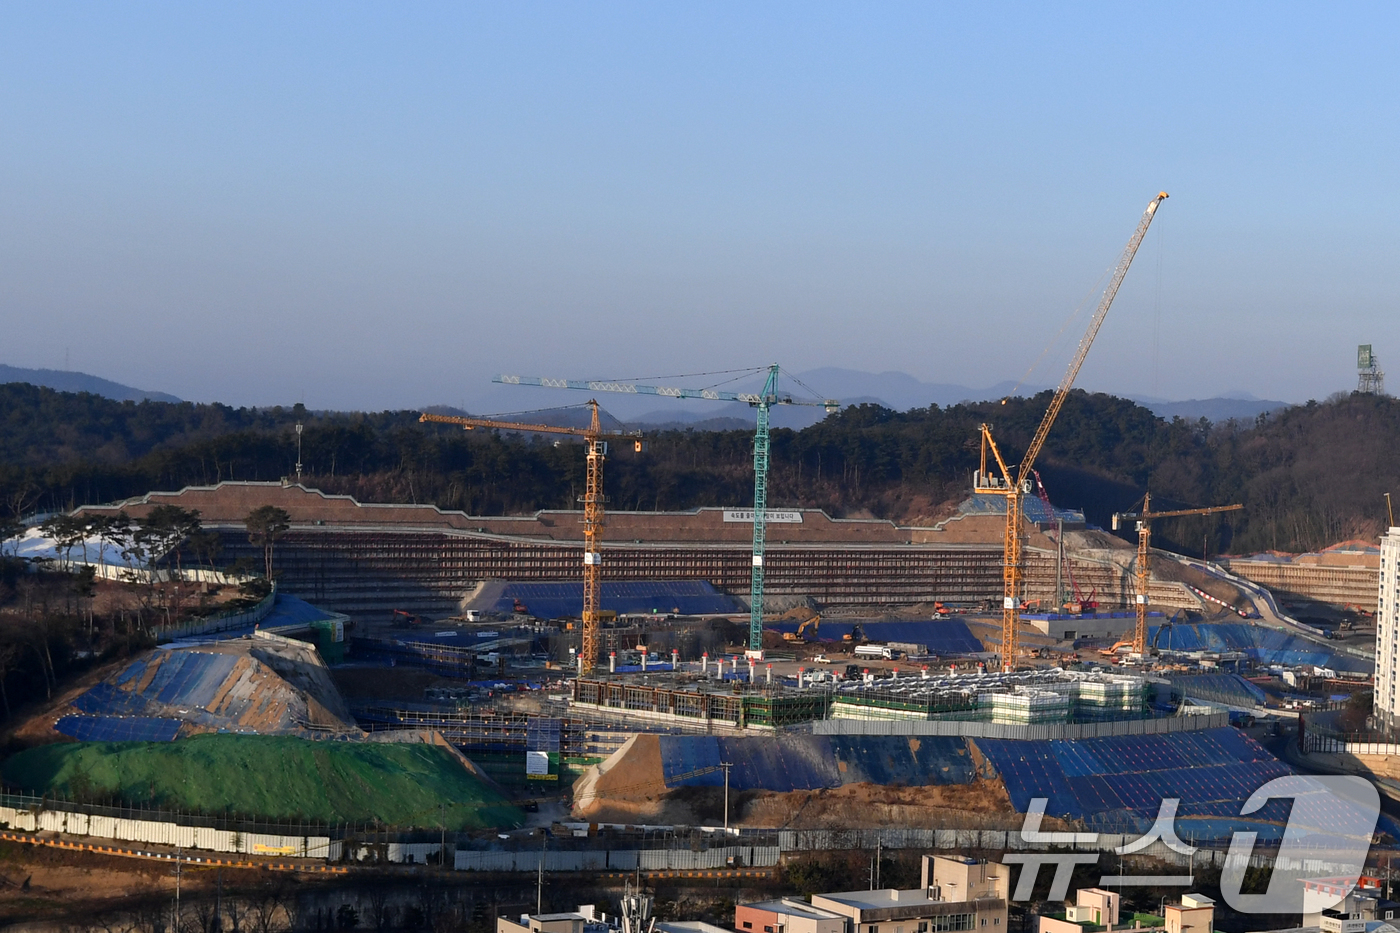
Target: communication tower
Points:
(1370, 380)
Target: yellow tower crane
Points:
(1014, 485)
(592, 508)
(1144, 530)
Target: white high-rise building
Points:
(1387, 703)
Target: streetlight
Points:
(298, 452)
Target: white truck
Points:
(882, 652)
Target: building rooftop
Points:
(689, 926)
(790, 906)
(883, 897)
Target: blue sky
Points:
(380, 205)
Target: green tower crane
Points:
(762, 401)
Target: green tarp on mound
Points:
(271, 777)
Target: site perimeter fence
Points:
(587, 848)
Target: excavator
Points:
(1161, 628)
(855, 636)
(815, 623)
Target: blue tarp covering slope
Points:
(1121, 781)
(118, 728)
(809, 762)
(1260, 643)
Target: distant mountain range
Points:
(65, 381)
(895, 390)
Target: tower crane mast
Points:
(1144, 530)
(1013, 485)
(592, 508)
(762, 401)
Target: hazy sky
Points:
(380, 205)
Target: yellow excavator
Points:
(814, 623)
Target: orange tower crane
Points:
(592, 508)
(1144, 530)
(1014, 485)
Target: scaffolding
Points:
(738, 705)
(428, 570)
(1024, 697)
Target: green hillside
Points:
(270, 777)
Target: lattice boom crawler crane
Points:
(593, 436)
(1014, 484)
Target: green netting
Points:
(271, 777)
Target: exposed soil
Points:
(627, 787)
(858, 806)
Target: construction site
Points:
(629, 667)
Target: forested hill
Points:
(1308, 476)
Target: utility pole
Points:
(539, 877)
(298, 451)
(726, 766)
(175, 921)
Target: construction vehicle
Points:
(1012, 485)
(403, 619)
(941, 612)
(813, 623)
(762, 402)
(1144, 530)
(592, 508)
(856, 635)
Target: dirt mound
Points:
(631, 781)
(265, 685)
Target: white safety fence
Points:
(176, 835)
(161, 833)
